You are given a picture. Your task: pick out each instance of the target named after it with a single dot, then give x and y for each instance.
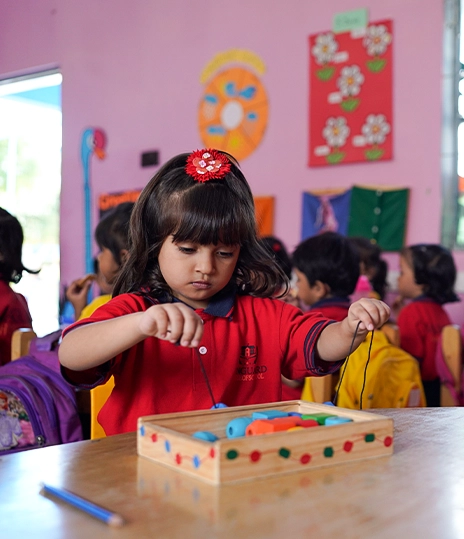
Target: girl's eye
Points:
(225, 254)
(186, 250)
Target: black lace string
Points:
(365, 371)
(334, 401)
(205, 376)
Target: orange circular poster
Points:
(233, 112)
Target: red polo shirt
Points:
(14, 314)
(420, 324)
(247, 343)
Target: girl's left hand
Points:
(372, 313)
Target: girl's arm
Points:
(91, 345)
(335, 340)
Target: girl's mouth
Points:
(201, 285)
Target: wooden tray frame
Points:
(167, 439)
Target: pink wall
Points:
(133, 69)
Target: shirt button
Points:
(202, 350)
(375, 229)
(377, 211)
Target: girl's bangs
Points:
(211, 219)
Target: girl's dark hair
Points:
(220, 210)
(279, 252)
(11, 247)
(330, 258)
(433, 267)
(370, 255)
(112, 231)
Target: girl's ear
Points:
(123, 255)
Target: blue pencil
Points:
(112, 519)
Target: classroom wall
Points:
(132, 67)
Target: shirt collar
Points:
(220, 305)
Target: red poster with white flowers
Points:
(350, 104)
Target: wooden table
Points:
(417, 492)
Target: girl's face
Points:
(407, 286)
(194, 272)
(108, 266)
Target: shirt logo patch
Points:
(247, 369)
(248, 355)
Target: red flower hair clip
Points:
(205, 165)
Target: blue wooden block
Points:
(294, 414)
(219, 405)
(329, 403)
(205, 435)
(269, 414)
(237, 427)
(336, 420)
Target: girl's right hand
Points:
(173, 322)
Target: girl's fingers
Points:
(176, 323)
(371, 313)
(192, 332)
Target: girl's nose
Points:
(205, 264)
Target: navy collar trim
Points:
(221, 305)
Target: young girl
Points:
(427, 277)
(14, 312)
(191, 323)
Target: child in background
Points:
(374, 269)
(427, 277)
(291, 389)
(327, 270)
(196, 292)
(14, 312)
(112, 237)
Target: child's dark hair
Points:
(220, 210)
(112, 231)
(11, 247)
(330, 258)
(374, 265)
(279, 252)
(433, 267)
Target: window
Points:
(30, 184)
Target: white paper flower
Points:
(324, 49)
(375, 129)
(336, 131)
(377, 40)
(350, 81)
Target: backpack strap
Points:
(46, 343)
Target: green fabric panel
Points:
(379, 216)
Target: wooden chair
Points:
(392, 332)
(20, 341)
(451, 343)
